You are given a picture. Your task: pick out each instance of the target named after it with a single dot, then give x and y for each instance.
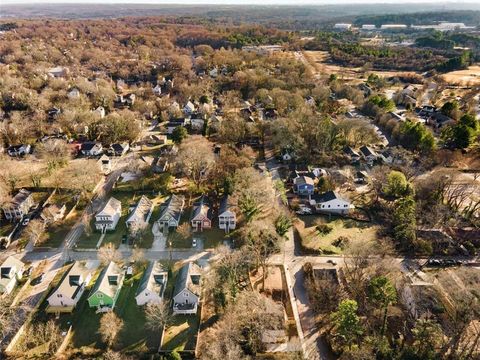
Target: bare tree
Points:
(157, 315)
(35, 230)
(110, 327)
(108, 253)
(195, 159)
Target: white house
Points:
(189, 108)
(19, 206)
(70, 289)
(227, 220)
(157, 90)
(91, 149)
(74, 94)
(187, 289)
(18, 150)
(107, 218)
(100, 111)
(140, 215)
(331, 203)
(152, 285)
(10, 272)
(105, 164)
(342, 26)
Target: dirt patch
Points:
(467, 77)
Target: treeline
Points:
(421, 18)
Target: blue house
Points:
(303, 185)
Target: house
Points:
(439, 120)
(105, 164)
(91, 149)
(155, 139)
(107, 218)
(368, 154)
(197, 124)
(107, 287)
(157, 90)
(352, 154)
(361, 177)
(57, 72)
(140, 215)
(11, 272)
(186, 295)
(73, 94)
(330, 203)
(70, 289)
(227, 220)
(174, 123)
(303, 185)
(122, 101)
(53, 113)
(152, 286)
(171, 212)
(18, 150)
(342, 26)
(19, 206)
(213, 73)
(201, 215)
(51, 213)
(189, 108)
(100, 111)
(119, 149)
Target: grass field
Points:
(351, 229)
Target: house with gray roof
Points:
(19, 206)
(171, 212)
(152, 286)
(10, 272)
(70, 289)
(186, 295)
(107, 288)
(140, 215)
(107, 218)
(227, 220)
(330, 203)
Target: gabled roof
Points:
(201, 207)
(87, 146)
(225, 205)
(327, 196)
(119, 147)
(20, 197)
(12, 262)
(184, 279)
(141, 211)
(111, 207)
(172, 208)
(367, 151)
(73, 280)
(150, 279)
(303, 180)
(350, 151)
(104, 285)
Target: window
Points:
(59, 295)
(100, 295)
(185, 294)
(328, 205)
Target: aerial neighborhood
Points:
(204, 182)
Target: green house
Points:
(107, 287)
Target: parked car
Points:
(304, 210)
(194, 243)
(25, 221)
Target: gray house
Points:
(152, 286)
(187, 289)
(171, 212)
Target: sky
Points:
(236, 2)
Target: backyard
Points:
(335, 233)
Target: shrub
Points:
(324, 229)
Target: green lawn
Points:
(182, 333)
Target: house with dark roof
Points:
(11, 272)
(352, 154)
(71, 287)
(303, 185)
(330, 203)
(174, 123)
(107, 288)
(19, 206)
(227, 220)
(368, 154)
(19, 150)
(186, 295)
(152, 285)
(201, 215)
(91, 149)
(171, 212)
(119, 149)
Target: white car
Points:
(25, 221)
(194, 242)
(304, 210)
